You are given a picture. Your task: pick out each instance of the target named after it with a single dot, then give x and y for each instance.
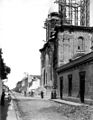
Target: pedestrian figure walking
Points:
(42, 94)
(3, 98)
(9, 97)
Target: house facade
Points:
(28, 84)
(18, 86)
(75, 78)
(33, 83)
(24, 85)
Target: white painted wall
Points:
(35, 85)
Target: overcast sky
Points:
(22, 35)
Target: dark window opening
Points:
(81, 43)
(78, 47)
(82, 85)
(70, 85)
(61, 87)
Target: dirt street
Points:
(41, 109)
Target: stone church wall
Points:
(68, 45)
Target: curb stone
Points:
(67, 102)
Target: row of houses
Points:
(28, 85)
(67, 59)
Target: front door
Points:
(61, 87)
(82, 85)
(70, 85)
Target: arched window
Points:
(44, 78)
(81, 43)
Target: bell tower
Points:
(52, 20)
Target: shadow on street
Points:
(4, 110)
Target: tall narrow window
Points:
(81, 43)
(44, 78)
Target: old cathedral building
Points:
(67, 57)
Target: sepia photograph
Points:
(46, 59)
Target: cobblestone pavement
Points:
(38, 109)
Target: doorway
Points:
(61, 87)
(70, 85)
(82, 85)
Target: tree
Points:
(4, 70)
(7, 69)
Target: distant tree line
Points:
(4, 70)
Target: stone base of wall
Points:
(47, 93)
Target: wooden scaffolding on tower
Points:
(74, 12)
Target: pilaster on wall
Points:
(87, 12)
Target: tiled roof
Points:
(79, 61)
